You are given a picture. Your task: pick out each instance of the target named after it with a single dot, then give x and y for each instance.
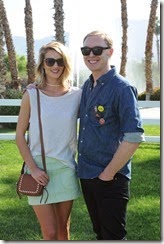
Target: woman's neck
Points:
(53, 85)
(54, 89)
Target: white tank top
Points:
(59, 123)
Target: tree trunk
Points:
(59, 21)
(10, 46)
(124, 18)
(148, 49)
(29, 42)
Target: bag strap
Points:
(41, 131)
(41, 135)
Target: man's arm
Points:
(124, 152)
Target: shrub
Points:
(142, 96)
(155, 96)
(13, 94)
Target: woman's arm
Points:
(23, 121)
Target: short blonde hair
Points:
(104, 36)
(63, 51)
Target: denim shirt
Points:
(109, 113)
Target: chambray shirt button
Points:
(83, 128)
(81, 141)
(86, 115)
(79, 154)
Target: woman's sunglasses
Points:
(95, 50)
(51, 61)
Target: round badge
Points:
(100, 108)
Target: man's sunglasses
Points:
(51, 61)
(95, 50)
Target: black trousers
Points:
(107, 206)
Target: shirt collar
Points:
(104, 78)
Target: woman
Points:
(59, 103)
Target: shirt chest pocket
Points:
(100, 115)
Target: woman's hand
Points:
(40, 176)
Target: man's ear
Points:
(111, 50)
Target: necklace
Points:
(52, 84)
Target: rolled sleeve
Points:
(134, 137)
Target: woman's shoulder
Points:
(31, 92)
(31, 89)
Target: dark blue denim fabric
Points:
(102, 131)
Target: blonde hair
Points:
(63, 51)
(104, 36)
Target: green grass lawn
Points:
(152, 130)
(18, 221)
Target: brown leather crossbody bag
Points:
(26, 184)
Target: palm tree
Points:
(3, 70)
(59, 21)
(157, 33)
(124, 18)
(148, 48)
(29, 42)
(10, 46)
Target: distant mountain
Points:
(20, 44)
(21, 48)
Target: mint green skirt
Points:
(63, 183)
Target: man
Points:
(110, 133)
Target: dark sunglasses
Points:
(96, 50)
(51, 61)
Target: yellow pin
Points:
(100, 108)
